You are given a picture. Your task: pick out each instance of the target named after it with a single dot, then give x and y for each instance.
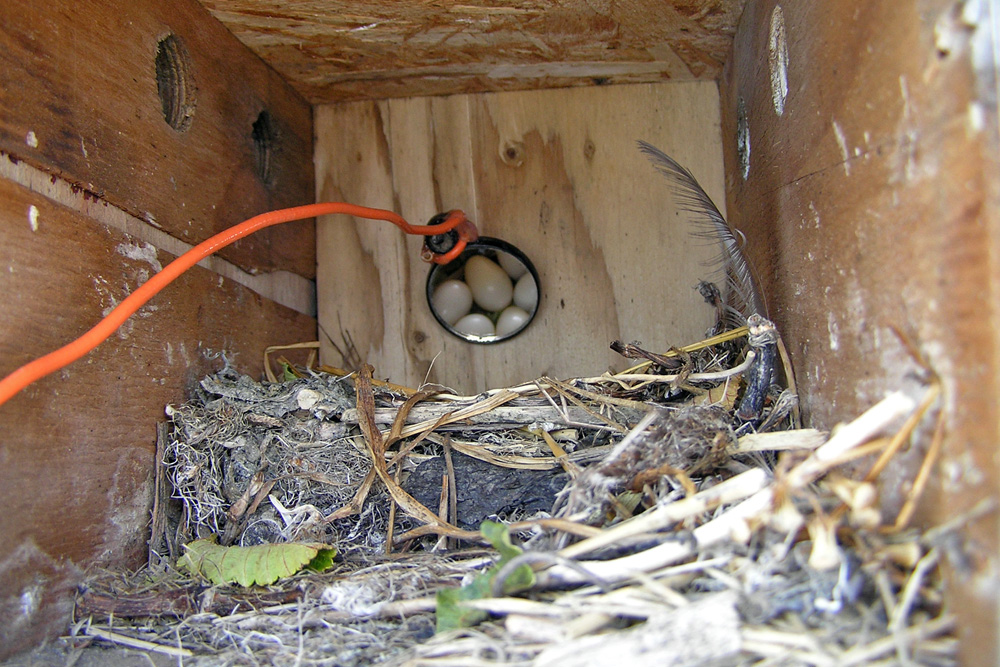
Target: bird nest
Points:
(669, 514)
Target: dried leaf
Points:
(376, 451)
(722, 395)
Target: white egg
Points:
(512, 265)
(452, 300)
(511, 319)
(475, 324)
(491, 286)
(526, 293)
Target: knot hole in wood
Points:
(512, 153)
(174, 82)
(264, 137)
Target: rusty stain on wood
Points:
(355, 50)
(872, 201)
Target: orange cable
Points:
(53, 361)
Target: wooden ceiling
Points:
(348, 50)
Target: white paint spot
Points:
(777, 60)
(83, 149)
(976, 119)
(170, 354)
(954, 30)
(103, 288)
(960, 472)
(29, 601)
(986, 581)
(33, 217)
(842, 142)
(904, 91)
(834, 329)
(107, 309)
(144, 253)
(31, 139)
(743, 138)
(812, 209)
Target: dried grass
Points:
(681, 536)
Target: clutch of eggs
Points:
(506, 287)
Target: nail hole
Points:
(264, 137)
(174, 83)
(743, 138)
(512, 153)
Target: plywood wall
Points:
(557, 174)
(862, 163)
(377, 49)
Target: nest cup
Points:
(486, 302)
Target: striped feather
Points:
(743, 297)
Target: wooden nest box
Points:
(854, 145)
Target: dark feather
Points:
(744, 298)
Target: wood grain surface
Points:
(871, 204)
(334, 52)
(79, 93)
(77, 447)
(556, 173)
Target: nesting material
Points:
(658, 526)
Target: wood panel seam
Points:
(283, 287)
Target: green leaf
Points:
(262, 564)
(451, 613)
(288, 374)
(323, 560)
(499, 536)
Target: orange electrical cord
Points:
(53, 361)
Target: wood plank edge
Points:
(283, 287)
